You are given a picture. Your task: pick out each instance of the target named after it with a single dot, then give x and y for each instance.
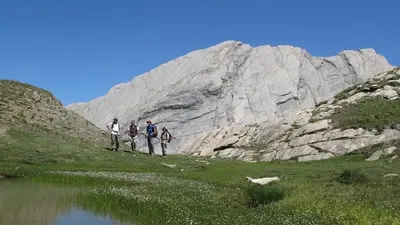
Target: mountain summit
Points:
(231, 84)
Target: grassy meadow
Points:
(38, 145)
(140, 188)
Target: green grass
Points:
(140, 189)
(343, 94)
(368, 113)
(262, 195)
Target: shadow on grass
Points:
(109, 149)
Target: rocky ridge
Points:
(230, 84)
(311, 136)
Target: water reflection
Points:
(79, 217)
(29, 203)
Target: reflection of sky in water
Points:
(79, 217)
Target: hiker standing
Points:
(151, 133)
(114, 127)
(133, 132)
(165, 138)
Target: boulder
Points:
(386, 93)
(376, 155)
(318, 156)
(264, 180)
(311, 128)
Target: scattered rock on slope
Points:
(379, 153)
(312, 136)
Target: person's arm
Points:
(108, 126)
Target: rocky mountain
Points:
(231, 84)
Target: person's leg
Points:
(131, 141)
(116, 143)
(112, 142)
(149, 144)
(152, 146)
(133, 144)
(163, 147)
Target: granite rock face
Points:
(311, 135)
(231, 84)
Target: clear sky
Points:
(80, 49)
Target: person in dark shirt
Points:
(133, 132)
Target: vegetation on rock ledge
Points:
(369, 113)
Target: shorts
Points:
(134, 139)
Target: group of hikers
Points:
(133, 132)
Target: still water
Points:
(28, 203)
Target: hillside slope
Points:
(35, 123)
(231, 83)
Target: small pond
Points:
(29, 203)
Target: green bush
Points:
(261, 195)
(352, 177)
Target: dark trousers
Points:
(150, 145)
(114, 138)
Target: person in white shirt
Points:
(114, 127)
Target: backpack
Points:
(133, 130)
(170, 137)
(155, 131)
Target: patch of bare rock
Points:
(313, 141)
(379, 153)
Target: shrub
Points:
(352, 177)
(261, 195)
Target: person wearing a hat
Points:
(114, 127)
(165, 139)
(150, 134)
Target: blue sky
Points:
(80, 49)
